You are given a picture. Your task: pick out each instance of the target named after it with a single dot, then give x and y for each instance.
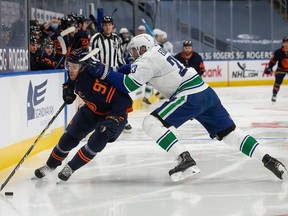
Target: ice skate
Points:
(65, 173)
(275, 166)
(128, 128)
(273, 99)
(186, 167)
(43, 171)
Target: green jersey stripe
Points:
(171, 107)
(131, 84)
(192, 83)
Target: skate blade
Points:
(285, 173)
(179, 176)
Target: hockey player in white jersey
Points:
(189, 98)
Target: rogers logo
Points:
(213, 72)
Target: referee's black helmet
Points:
(107, 19)
(285, 39)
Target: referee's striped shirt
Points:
(111, 52)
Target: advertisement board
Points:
(28, 104)
(248, 70)
(216, 71)
(237, 72)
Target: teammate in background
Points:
(105, 113)
(36, 33)
(46, 30)
(158, 35)
(280, 56)
(190, 58)
(81, 36)
(69, 39)
(35, 53)
(48, 61)
(189, 98)
(109, 44)
(125, 39)
(141, 29)
(167, 45)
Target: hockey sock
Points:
(82, 157)
(61, 150)
(169, 142)
(163, 136)
(56, 157)
(275, 89)
(244, 143)
(278, 81)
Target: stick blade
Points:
(67, 31)
(90, 54)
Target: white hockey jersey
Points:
(164, 73)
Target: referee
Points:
(110, 49)
(108, 43)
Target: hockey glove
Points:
(125, 69)
(109, 127)
(267, 70)
(68, 93)
(99, 70)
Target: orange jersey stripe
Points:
(93, 108)
(109, 100)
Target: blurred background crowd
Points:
(212, 26)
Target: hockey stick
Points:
(148, 27)
(63, 44)
(31, 147)
(64, 50)
(93, 19)
(90, 54)
(114, 11)
(67, 31)
(92, 25)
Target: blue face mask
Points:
(55, 26)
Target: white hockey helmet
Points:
(123, 30)
(141, 40)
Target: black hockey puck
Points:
(8, 193)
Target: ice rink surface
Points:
(130, 177)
